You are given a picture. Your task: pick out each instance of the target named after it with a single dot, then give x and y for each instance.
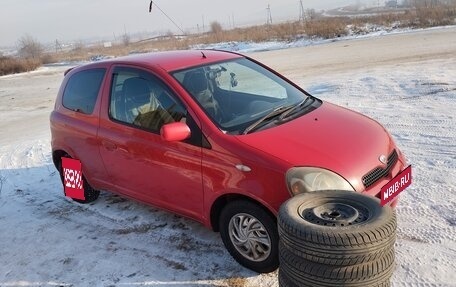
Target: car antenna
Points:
(152, 3)
(204, 56)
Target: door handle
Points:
(109, 145)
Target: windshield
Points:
(240, 95)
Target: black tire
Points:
(300, 271)
(337, 227)
(318, 282)
(90, 193)
(284, 281)
(262, 225)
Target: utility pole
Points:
(269, 16)
(302, 16)
(58, 46)
(202, 16)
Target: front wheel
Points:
(250, 235)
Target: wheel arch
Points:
(222, 201)
(56, 159)
(57, 155)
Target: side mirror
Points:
(175, 132)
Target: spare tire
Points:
(337, 227)
(302, 272)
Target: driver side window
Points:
(141, 100)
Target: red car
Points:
(214, 136)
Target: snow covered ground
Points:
(407, 82)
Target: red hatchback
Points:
(214, 136)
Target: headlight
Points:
(308, 179)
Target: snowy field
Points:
(407, 82)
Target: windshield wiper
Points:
(275, 112)
(301, 105)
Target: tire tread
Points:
(348, 245)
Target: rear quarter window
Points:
(82, 89)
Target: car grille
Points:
(377, 173)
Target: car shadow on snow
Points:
(113, 241)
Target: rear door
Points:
(74, 123)
(140, 163)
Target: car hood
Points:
(330, 137)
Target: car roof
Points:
(177, 60)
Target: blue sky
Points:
(65, 20)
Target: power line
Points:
(150, 10)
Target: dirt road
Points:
(392, 49)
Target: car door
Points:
(140, 163)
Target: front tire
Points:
(250, 235)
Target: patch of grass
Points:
(433, 16)
(327, 27)
(236, 282)
(10, 65)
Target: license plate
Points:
(393, 188)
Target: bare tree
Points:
(126, 39)
(216, 27)
(78, 46)
(29, 47)
(169, 34)
(311, 14)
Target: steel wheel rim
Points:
(335, 214)
(249, 237)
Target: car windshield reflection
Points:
(237, 93)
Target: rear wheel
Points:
(250, 235)
(90, 193)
